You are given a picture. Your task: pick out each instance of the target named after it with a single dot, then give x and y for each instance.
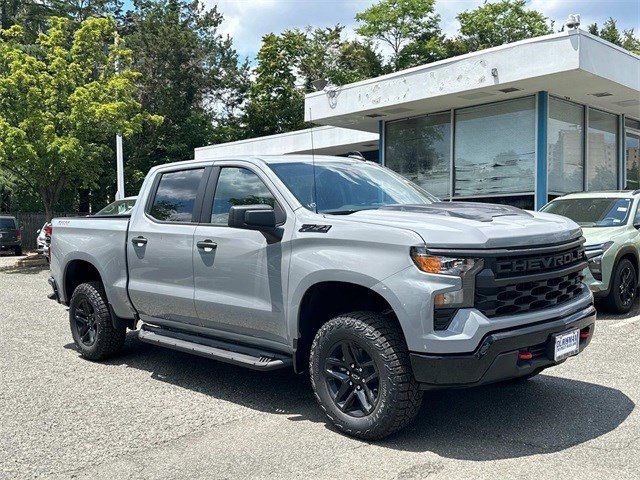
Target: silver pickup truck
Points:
(334, 266)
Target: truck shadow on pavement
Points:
(543, 415)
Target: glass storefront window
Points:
(632, 157)
(495, 148)
(602, 151)
(565, 146)
(419, 149)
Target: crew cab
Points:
(333, 266)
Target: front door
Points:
(160, 247)
(240, 275)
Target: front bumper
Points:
(496, 358)
(598, 288)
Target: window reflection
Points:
(494, 148)
(176, 195)
(419, 149)
(602, 163)
(238, 186)
(565, 146)
(632, 155)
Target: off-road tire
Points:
(108, 339)
(613, 301)
(399, 397)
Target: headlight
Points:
(464, 268)
(594, 256)
(456, 267)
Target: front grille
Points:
(528, 296)
(533, 279)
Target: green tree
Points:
(610, 33)
(630, 41)
(60, 106)
(190, 74)
(496, 23)
(276, 100)
(402, 24)
(32, 15)
(325, 54)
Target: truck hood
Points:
(473, 225)
(597, 235)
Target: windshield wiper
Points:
(348, 211)
(342, 212)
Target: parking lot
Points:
(155, 413)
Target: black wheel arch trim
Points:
(624, 251)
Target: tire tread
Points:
(386, 337)
(110, 340)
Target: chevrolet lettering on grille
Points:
(543, 263)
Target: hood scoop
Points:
(481, 212)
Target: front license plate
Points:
(566, 345)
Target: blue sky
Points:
(248, 20)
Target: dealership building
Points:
(520, 124)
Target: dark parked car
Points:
(10, 235)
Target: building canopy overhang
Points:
(574, 65)
(325, 140)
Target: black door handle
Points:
(207, 245)
(139, 241)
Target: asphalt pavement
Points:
(156, 413)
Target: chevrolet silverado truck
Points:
(333, 266)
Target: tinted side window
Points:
(176, 196)
(636, 220)
(238, 186)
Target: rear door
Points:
(241, 276)
(160, 247)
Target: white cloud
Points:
(449, 9)
(248, 20)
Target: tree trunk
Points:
(48, 211)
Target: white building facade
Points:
(519, 124)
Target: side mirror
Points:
(252, 217)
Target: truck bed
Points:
(100, 241)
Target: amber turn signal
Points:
(428, 264)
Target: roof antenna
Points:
(313, 164)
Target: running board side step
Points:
(241, 355)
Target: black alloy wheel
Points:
(84, 316)
(623, 287)
(352, 379)
(361, 374)
(92, 327)
(628, 285)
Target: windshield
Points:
(592, 212)
(7, 224)
(344, 187)
(119, 207)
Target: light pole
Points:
(119, 168)
(119, 156)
